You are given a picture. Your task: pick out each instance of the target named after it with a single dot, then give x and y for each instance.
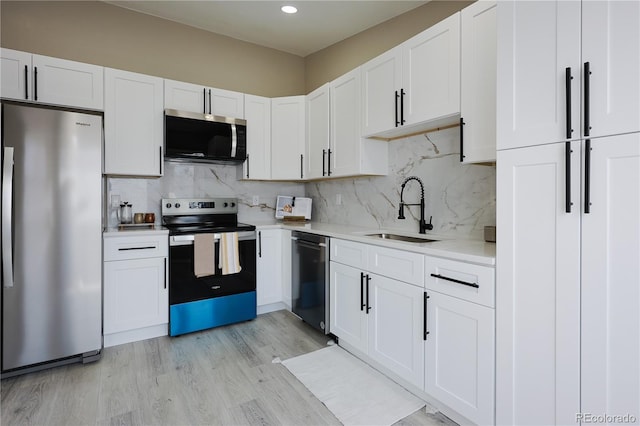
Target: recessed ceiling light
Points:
(289, 9)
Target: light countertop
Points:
(135, 231)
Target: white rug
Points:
(354, 392)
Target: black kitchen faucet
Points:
(424, 226)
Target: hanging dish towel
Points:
(229, 258)
(204, 253)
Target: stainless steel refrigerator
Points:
(51, 237)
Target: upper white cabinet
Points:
(258, 115)
(205, 100)
(567, 70)
(133, 126)
(287, 138)
(51, 80)
(478, 82)
(317, 132)
(429, 91)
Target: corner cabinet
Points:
(317, 110)
(258, 112)
(134, 126)
(288, 138)
(136, 295)
(204, 100)
(48, 80)
(269, 288)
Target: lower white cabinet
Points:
(136, 290)
(268, 268)
(348, 319)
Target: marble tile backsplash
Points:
(461, 198)
(200, 180)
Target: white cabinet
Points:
(540, 44)
(258, 115)
(317, 132)
(134, 127)
(51, 80)
(136, 295)
(478, 82)
(205, 100)
(288, 138)
(269, 289)
(348, 319)
(429, 93)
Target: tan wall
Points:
(103, 34)
(333, 61)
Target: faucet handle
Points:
(429, 226)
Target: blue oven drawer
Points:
(203, 314)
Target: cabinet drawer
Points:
(398, 264)
(135, 247)
(349, 253)
(462, 280)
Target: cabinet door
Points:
(459, 356)
(133, 127)
(62, 82)
(287, 138)
(258, 114)
(344, 155)
(396, 325)
(611, 45)
(538, 287)
(431, 72)
(226, 103)
(537, 41)
(185, 97)
(317, 132)
(268, 267)
(478, 82)
(135, 294)
(348, 319)
(381, 83)
(15, 72)
(611, 279)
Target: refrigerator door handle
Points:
(7, 207)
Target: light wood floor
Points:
(223, 376)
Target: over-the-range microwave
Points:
(204, 138)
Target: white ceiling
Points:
(318, 23)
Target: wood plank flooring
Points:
(223, 376)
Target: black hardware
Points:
(425, 332)
(210, 109)
(368, 307)
(165, 273)
(461, 140)
(204, 100)
(442, 277)
(35, 83)
(587, 176)
(567, 83)
(160, 161)
(301, 166)
(402, 120)
(26, 82)
(567, 177)
(429, 226)
(293, 201)
(247, 166)
(259, 243)
(137, 248)
(397, 96)
(361, 291)
(587, 73)
(329, 162)
(423, 225)
(324, 153)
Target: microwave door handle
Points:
(234, 141)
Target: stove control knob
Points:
(226, 204)
(233, 204)
(177, 205)
(168, 205)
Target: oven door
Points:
(184, 286)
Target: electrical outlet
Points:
(338, 199)
(256, 200)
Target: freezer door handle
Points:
(7, 207)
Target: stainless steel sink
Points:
(404, 238)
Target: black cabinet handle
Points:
(210, 109)
(587, 176)
(324, 164)
(361, 291)
(26, 82)
(160, 161)
(461, 139)
(402, 120)
(35, 83)
(165, 272)
(247, 166)
(396, 98)
(137, 248)
(368, 307)
(204, 100)
(329, 162)
(567, 83)
(425, 330)
(259, 243)
(587, 73)
(567, 176)
(442, 277)
(301, 166)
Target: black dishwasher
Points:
(310, 279)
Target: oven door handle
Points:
(182, 240)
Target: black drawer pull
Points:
(137, 248)
(442, 277)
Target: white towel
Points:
(229, 260)
(204, 262)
